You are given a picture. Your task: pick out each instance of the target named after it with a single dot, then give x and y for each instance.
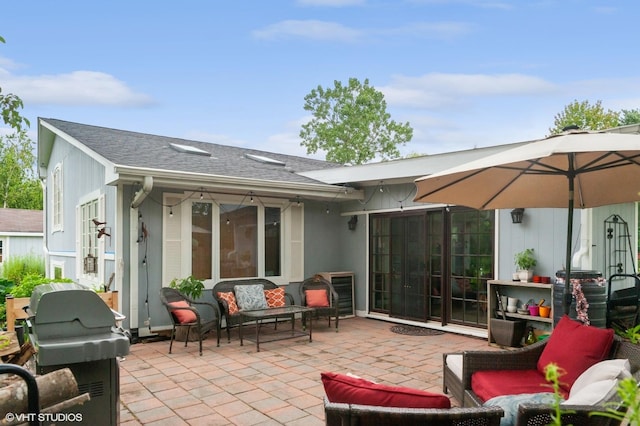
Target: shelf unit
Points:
(523, 291)
(344, 284)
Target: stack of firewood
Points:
(57, 390)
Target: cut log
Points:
(26, 352)
(53, 388)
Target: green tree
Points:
(585, 116)
(629, 116)
(10, 106)
(351, 124)
(19, 184)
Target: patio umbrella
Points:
(575, 169)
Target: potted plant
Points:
(190, 286)
(525, 261)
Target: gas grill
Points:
(71, 327)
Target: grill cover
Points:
(72, 324)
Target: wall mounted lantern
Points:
(352, 222)
(517, 215)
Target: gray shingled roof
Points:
(140, 150)
(20, 220)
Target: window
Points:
(238, 241)
(1, 252)
(201, 240)
(272, 241)
(57, 269)
(89, 236)
(56, 198)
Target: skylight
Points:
(263, 159)
(189, 149)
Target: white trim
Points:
(57, 193)
(56, 264)
(21, 234)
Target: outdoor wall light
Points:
(517, 215)
(352, 222)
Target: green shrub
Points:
(30, 281)
(15, 268)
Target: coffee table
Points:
(289, 312)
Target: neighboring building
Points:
(146, 209)
(20, 233)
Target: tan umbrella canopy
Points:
(573, 169)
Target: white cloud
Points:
(75, 88)
(310, 29)
(436, 90)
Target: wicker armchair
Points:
(317, 282)
(228, 286)
(338, 414)
(207, 315)
(524, 359)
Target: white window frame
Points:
(3, 250)
(57, 199)
(55, 264)
(94, 280)
(178, 228)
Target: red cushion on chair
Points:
(230, 298)
(351, 390)
(487, 384)
(575, 347)
(275, 297)
(316, 298)
(184, 316)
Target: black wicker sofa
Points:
(233, 319)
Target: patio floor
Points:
(280, 385)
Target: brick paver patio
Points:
(280, 385)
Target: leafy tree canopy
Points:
(19, 184)
(592, 117)
(351, 124)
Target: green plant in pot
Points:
(190, 286)
(525, 261)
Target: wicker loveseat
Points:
(233, 319)
(526, 359)
(338, 414)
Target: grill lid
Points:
(72, 324)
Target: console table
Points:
(274, 313)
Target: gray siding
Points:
(82, 176)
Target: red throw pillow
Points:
(351, 390)
(575, 347)
(316, 298)
(275, 297)
(231, 301)
(184, 316)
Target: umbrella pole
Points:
(568, 294)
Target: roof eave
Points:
(210, 182)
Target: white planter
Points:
(525, 275)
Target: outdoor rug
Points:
(411, 330)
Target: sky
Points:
(463, 73)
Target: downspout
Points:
(138, 198)
(582, 258)
(134, 308)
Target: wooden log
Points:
(53, 388)
(26, 352)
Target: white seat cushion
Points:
(454, 362)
